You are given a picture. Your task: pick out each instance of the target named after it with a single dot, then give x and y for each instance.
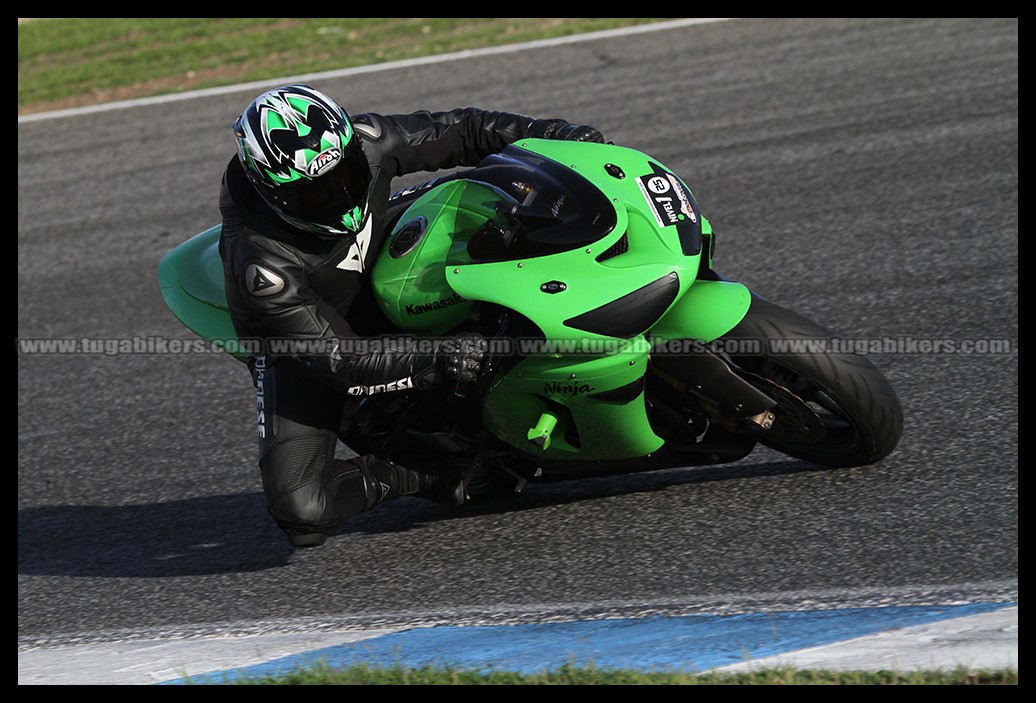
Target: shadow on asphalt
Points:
(233, 534)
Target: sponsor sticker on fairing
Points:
(667, 197)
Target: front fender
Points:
(707, 311)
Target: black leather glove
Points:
(579, 133)
(460, 357)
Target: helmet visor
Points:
(328, 197)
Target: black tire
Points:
(860, 414)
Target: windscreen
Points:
(531, 206)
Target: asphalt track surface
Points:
(861, 172)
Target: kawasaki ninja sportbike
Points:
(615, 346)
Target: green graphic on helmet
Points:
(298, 149)
(353, 220)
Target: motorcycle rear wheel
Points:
(834, 409)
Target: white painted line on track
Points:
(375, 68)
(154, 661)
(870, 638)
(977, 642)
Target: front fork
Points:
(681, 355)
(726, 397)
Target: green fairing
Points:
(564, 384)
(428, 286)
(412, 290)
(191, 280)
(587, 428)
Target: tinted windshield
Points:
(534, 207)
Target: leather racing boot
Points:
(360, 484)
(443, 484)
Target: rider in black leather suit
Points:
(304, 216)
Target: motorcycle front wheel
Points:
(834, 408)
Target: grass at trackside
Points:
(575, 676)
(70, 62)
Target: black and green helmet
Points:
(300, 151)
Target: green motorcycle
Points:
(614, 345)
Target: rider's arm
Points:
(430, 141)
(276, 289)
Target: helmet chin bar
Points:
(321, 228)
